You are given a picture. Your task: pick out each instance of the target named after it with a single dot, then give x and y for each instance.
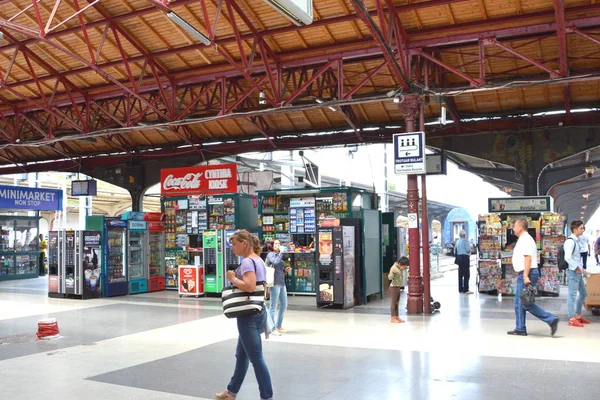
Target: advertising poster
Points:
(188, 280)
(325, 247)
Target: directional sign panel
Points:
(409, 153)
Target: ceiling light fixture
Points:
(586, 196)
(589, 170)
(584, 206)
(188, 28)
(507, 189)
(321, 101)
(262, 98)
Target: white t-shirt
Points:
(525, 247)
(584, 243)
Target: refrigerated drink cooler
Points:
(156, 255)
(336, 260)
(137, 251)
(75, 260)
(116, 279)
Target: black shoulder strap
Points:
(574, 245)
(254, 263)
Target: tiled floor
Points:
(158, 346)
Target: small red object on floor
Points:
(47, 329)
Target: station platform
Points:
(159, 346)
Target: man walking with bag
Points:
(525, 262)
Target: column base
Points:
(414, 305)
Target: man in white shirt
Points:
(584, 246)
(575, 274)
(525, 262)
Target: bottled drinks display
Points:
(116, 270)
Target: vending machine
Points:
(336, 261)
(230, 260)
(156, 253)
(137, 251)
(76, 264)
(213, 261)
(54, 243)
(115, 272)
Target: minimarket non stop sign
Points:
(200, 180)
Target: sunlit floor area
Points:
(160, 346)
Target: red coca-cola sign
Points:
(207, 179)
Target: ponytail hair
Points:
(243, 235)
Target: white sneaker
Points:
(469, 292)
(276, 333)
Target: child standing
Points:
(396, 275)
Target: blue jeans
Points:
(249, 349)
(536, 310)
(278, 295)
(576, 284)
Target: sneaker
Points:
(224, 396)
(574, 322)
(554, 326)
(516, 333)
(469, 292)
(583, 320)
(276, 333)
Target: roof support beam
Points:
(563, 56)
(382, 43)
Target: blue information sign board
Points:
(33, 199)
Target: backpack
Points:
(563, 265)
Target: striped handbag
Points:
(237, 303)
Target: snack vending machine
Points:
(115, 266)
(230, 260)
(54, 243)
(213, 261)
(336, 261)
(156, 255)
(75, 264)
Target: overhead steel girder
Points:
(552, 177)
(303, 58)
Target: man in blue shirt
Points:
(575, 275)
(463, 256)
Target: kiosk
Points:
(202, 207)
(293, 216)
(20, 254)
(497, 240)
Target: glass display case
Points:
(157, 254)
(136, 257)
(302, 277)
(116, 262)
(19, 247)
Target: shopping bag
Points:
(270, 275)
(528, 295)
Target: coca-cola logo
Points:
(187, 182)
